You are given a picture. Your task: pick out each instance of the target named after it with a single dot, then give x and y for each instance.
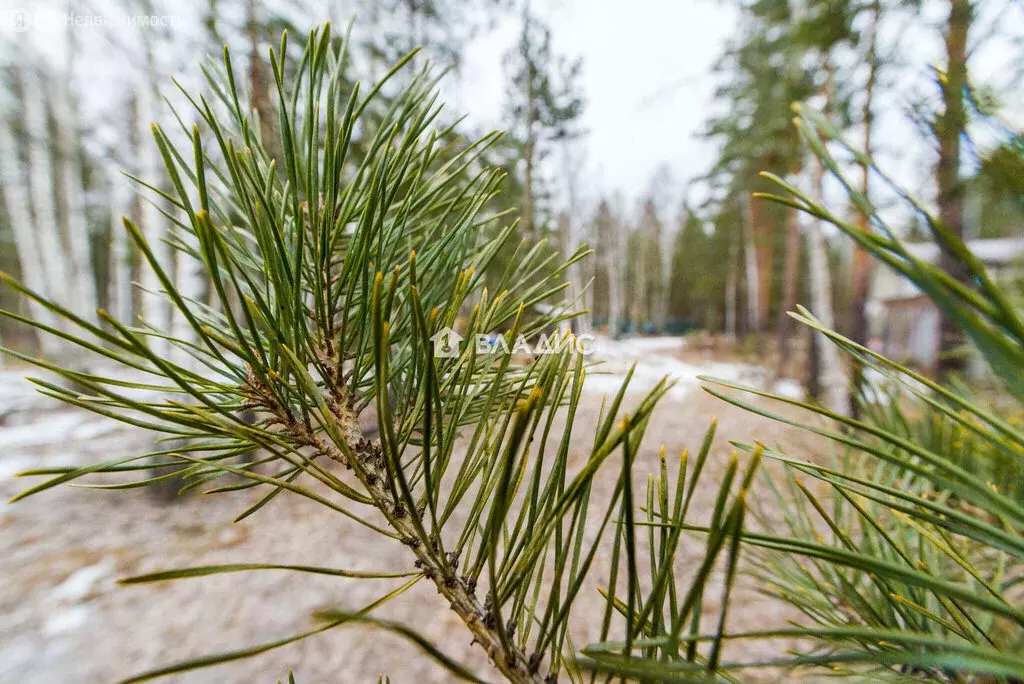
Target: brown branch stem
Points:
(367, 462)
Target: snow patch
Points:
(66, 620)
(654, 361)
(95, 428)
(788, 388)
(12, 464)
(58, 427)
(78, 585)
(651, 343)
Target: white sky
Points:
(646, 77)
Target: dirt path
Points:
(66, 620)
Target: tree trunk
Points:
(119, 294)
(950, 126)
(862, 262)
(572, 238)
(663, 260)
(785, 327)
(754, 313)
(732, 291)
(26, 238)
(763, 250)
(637, 296)
(569, 243)
(526, 222)
(829, 379)
(51, 248)
(529, 147)
(83, 298)
(614, 266)
(259, 90)
(834, 394)
(156, 310)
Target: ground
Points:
(66, 620)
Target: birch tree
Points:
(156, 310)
(611, 261)
(120, 290)
(51, 249)
(789, 282)
(862, 264)
(82, 278)
(750, 262)
(571, 233)
(733, 267)
(26, 238)
(831, 378)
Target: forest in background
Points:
(879, 537)
(721, 260)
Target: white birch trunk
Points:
(570, 241)
(188, 279)
(26, 242)
(731, 292)
(51, 250)
(573, 238)
(614, 266)
(832, 380)
(667, 240)
(156, 310)
(83, 300)
(750, 254)
(119, 294)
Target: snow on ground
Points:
(16, 392)
(655, 358)
(788, 388)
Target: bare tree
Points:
(732, 273)
(571, 231)
(156, 309)
(830, 380)
(754, 313)
(950, 126)
(26, 238)
(82, 293)
(784, 327)
(51, 250)
(259, 86)
(611, 260)
(862, 262)
(119, 292)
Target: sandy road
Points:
(64, 618)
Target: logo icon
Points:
(20, 20)
(446, 343)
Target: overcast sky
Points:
(649, 86)
(647, 76)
